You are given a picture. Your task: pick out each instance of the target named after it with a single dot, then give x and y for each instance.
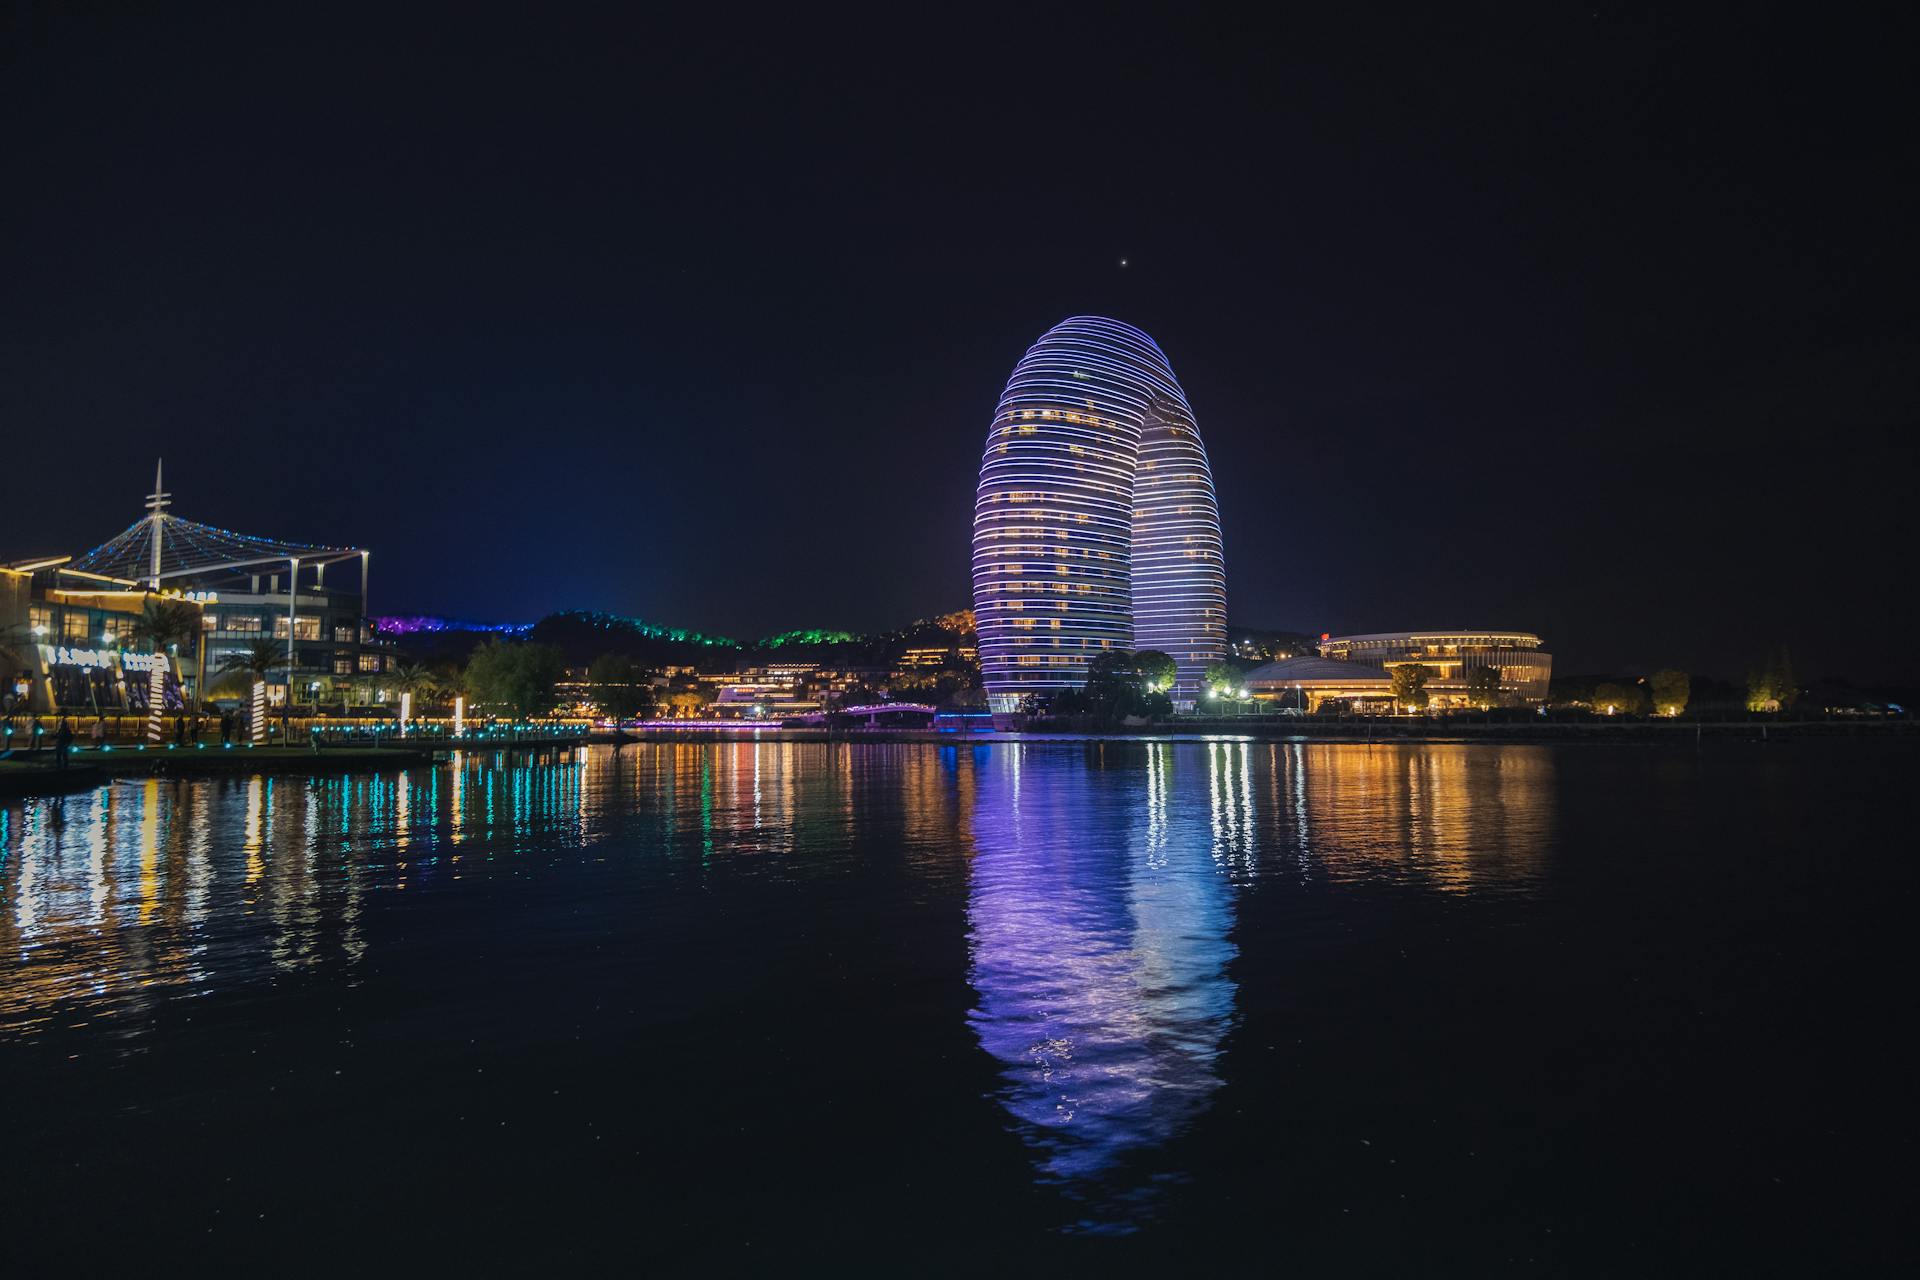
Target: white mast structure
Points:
(161, 548)
(157, 502)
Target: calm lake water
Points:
(1395, 1009)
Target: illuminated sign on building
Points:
(101, 659)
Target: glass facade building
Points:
(1095, 524)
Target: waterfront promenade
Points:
(326, 752)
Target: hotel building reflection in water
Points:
(1102, 907)
(1100, 913)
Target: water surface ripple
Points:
(1392, 1002)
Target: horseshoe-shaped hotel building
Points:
(1095, 526)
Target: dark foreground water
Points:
(1394, 1009)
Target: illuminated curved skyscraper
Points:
(1095, 526)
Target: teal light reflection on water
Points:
(119, 897)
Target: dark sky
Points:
(1589, 320)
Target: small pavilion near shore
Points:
(1310, 682)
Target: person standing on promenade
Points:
(63, 741)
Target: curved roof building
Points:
(1095, 525)
(1313, 681)
(1526, 669)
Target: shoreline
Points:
(1382, 731)
(29, 775)
(23, 778)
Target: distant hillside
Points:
(584, 635)
(1259, 644)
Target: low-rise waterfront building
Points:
(934, 657)
(68, 621)
(833, 682)
(67, 639)
(1451, 658)
(772, 692)
(1308, 684)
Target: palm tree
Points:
(165, 622)
(450, 681)
(256, 660)
(162, 625)
(409, 677)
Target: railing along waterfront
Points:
(20, 734)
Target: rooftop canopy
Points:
(1516, 639)
(188, 547)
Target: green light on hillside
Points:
(808, 637)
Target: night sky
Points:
(1591, 321)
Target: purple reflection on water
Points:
(1100, 904)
